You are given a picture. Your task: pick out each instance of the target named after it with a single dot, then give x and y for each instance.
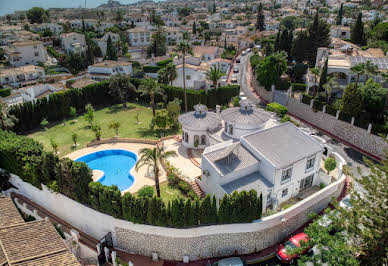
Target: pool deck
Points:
(142, 177)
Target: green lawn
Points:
(62, 132)
(168, 193)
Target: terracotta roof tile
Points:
(9, 215)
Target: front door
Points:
(306, 183)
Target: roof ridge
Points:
(40, 255)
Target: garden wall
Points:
(356, 136)
(173, 244)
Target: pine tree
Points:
(277, 42)
(340, 15)
(318, 37)
(194, 28)
(357, 34)
(205, 210)
(323, 78)
(111, 53)
(214, 7)
(260, 18)
(299, 46)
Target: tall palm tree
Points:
(331, 82)
(184, 48)
(7, 120)
(152, 158)
(171, 72)
(150, 87)
(214, 74)
(358, 69)
(315, 71)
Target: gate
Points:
(280, 97)
(107, 242)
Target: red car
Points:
(293, 242)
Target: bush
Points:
(4, 92)
(146, 191)
(184, 187)
(164, 62)
(330, 164)
(151, 69)
(277, 108)
(296, 87)
(306, 99)
(69, 83)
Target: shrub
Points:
(173, 179)
(151, 69)
(146, 191)
(4, 177)
(69, 83)
(306, 99)
(184, 187)
(277, 108)
(298, 87)
(4, 92)
(330, 164)
(321, 185)
(164, 62)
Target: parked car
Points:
(243, 53)
(293, 242)
(238, 60)
(248, 50)
(233, 79)
(235, 69)
(235, 261)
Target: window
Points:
(286, 175)
(203, 140)
(306, 182)
(310, 164)
(36, 53)
(186, 137)
(35, 47)
(284, 192)
(231, 129)
(188, 77)
(121, 69)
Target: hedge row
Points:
(56, 106)
(164, 62)
(151, 69)
(241, 207)
(298, 87)
(4, 92)
(277, 108)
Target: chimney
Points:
(218, 109)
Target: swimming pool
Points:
(116, 165)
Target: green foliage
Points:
(174, 109)
(44, 123)
(111, 50)
(352, 100)
(269, 70)
(4, 177)
(277, 108)
(121, 87)
(373, 97)
(158, 46)
(37, 15)
(164, 63)
(72, 111)
(115, 125)
(146, 191)
(151, 69)
(357, 33)
(89, 114)
(4, 92)
(213, 75)
(330, 164)
(162, 119)
(340, 15)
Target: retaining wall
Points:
(173, 244)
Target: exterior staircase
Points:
(197, 190)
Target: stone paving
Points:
(142, 177)
(182, 162)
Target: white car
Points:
(229, 262)
(243, 53)
(235, 69)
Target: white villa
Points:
(245, 148)
(18, 75)
(107, 68)
(27, 53)
(39, 91)
(73, 42)
(103, 41)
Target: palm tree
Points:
(7, 120)
(115, 125)
(370, 69)
(315, 71)
(54, 145)
(150, 87)
(184, 48)
(171, 72)
(74, 136)
(331, 82)
(358, 69)
(214, 74)
(152, 158)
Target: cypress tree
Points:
(260, 206)
(340, 15)
(194, 28)
(205, 210)
(110, 50)
(224, 210)
(214, 7)
(299, 46)
(196, 211)
(284, 41)
(277, 42)
(323, 78)
(318, 37)
(260, 18)
(169, 214)
(127, 204)
(252, 195)
(152, 212)
(187, 213)
(357, 34)
(214, 211)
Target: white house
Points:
(174, 35)
(53, 27)
(341, 32)
(138, 20)
(105, 69)
(226, 24)
(77, 23)
(207, 53)
(73, 42)
(139, 36)
(102, 42)
(279, 162)
(39, 91)
(17, 75)
(104, 25)
(195, 76)
(27, 53)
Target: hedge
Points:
(298, 87)
(151, 69)
(56, 107)
(277, 108)
(318, 105)
(306, 99)
(164, 62)
(331, 110)
(4, 92)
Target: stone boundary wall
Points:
(127, 140)
(264, 94)
(173, 244)
(354, 136)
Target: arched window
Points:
(203, 140)
(196, 140)
(186, 137)
(230, 129)
(226, 127)
(183, 135)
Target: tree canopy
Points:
(37, 15)
(269, 69)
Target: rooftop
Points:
(26, 43)
(111, 63)
(245, 114)
(200, 119)
(253, 181)
(9, 215)
(283, 145)
(19, 70)
(198, 51)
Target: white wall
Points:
(30, 55)
(195, 76)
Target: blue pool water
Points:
(116, 165)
